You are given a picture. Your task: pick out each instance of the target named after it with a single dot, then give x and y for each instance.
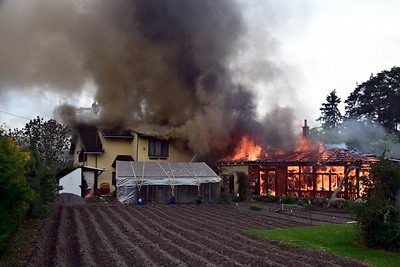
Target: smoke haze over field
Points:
(153, 62)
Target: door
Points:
(268, 183)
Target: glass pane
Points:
(293, 169)
(158, 148)
(271, 183)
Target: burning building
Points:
(310, 170)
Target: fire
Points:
(305, 145)
(247, 149)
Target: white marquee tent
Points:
(132, 176)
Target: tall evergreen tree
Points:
(330, 113)
(377, 99)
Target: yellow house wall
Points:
(136, 147)
(175, 155)
(233, 170)
(112, 148)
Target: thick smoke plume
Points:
(153, 62)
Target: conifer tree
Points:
(330, 113)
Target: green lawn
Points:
(338, 239)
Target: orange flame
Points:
(247, 149)
(305, 145)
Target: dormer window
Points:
(158, 149)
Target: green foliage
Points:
(388, 146)
(378, 217)
(42, 180)
(224, 198)
(289, 200)
(330, 114)
(255, 208)
(49, 138)
(339, 203)
(243, 186)
(236, 198)
(15, 193)
(269, 199)
(338, 239)
(377, 99)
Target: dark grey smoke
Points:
(154, 62)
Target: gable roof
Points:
(90, 139)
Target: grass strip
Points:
(337, 239)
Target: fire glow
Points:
(247, 150)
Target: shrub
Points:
(256, 208)
(339, 203)
(223, 198)
(42, 180)
(378, 217)
(271, 199)
(236, 198)
(289, 200)
(15, 193)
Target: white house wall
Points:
(71, 182)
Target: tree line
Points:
(30, 159)
(373, 103)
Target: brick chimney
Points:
(306, 130)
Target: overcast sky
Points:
(319, 45)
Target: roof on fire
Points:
(329, 156)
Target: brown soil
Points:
(171, 235)
(68, 199)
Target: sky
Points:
(317, 46)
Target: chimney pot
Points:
(306, 129)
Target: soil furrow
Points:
(67, 250)
(191, 253)
(176, 235)
(130, 253)
(240, 241)
(109, 254)
(236, 253)
(149, 243)
(86, 248)
(131, 249)
(228, 221)
(47, 242)
(276, 218)
(98, 247)
(262, 222)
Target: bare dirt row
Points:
(170, 235)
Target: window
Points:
(158, 149)
(300, 178)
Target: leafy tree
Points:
(15, 193)
(41, 179)
(49, 138)
(330, 114)
(377, 99)
(379, 217)
(388, 146)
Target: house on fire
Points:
(314, 172)
(111, 156)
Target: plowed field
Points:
(192, 235)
